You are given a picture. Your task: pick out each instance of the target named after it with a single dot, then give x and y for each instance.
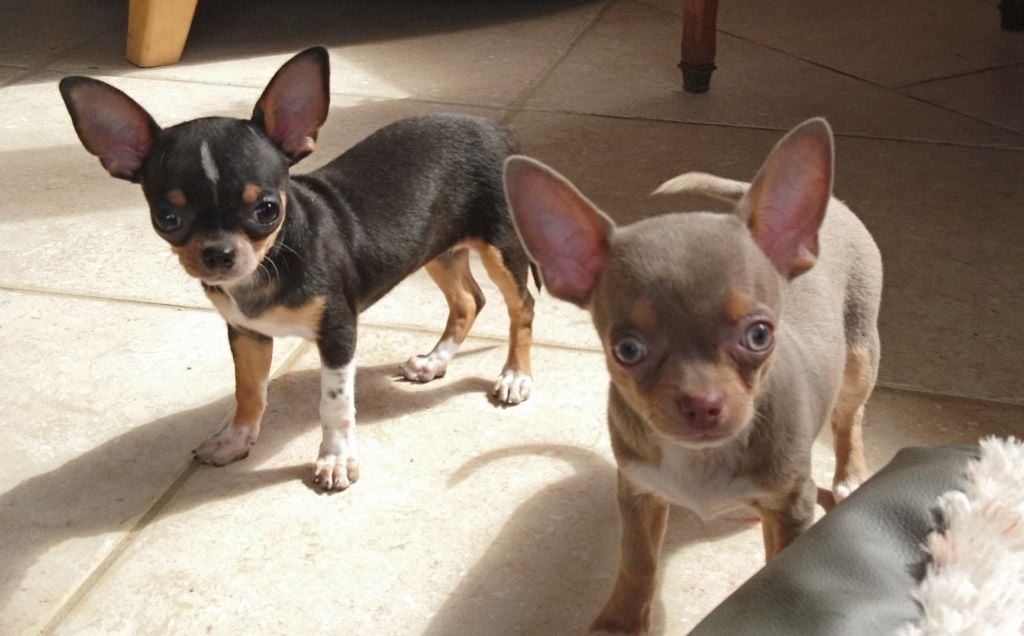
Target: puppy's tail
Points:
(707, 184)
(536, 274)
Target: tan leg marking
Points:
(779, 531)
(644, 518)
(515, 383)
(847, 417)
(465, 300)
(252, 357)
(781, 526)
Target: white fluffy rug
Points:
(974, 583)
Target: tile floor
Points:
(469, 519)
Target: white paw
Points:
(513, 387)
(425, 368)
(844, 489)
(335, 471)
(227, 446)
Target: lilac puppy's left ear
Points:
(294, 105)
(786, 202)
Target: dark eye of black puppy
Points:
(266, 212)
(167, 219)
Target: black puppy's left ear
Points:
(294, 105)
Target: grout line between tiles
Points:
(45, 65)
(998, 67)
(896, 89)
(126, 541)
(534, 84)
(56, 293)
(97, 574)
(897, 387)
(518, 105)
(891, 89)
(290, 360)
(838, 135)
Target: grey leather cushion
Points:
(853, 572)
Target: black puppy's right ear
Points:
(563, 232)
(110, 125)
(294, 105)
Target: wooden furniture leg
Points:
(157, 30)
(1012, 15)
(698, 46)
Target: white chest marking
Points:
(703, 481)
(275, 322)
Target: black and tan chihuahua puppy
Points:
(730, 339)
(282, 255)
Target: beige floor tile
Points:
(103, 402)
(35, 31)
(9, 72)
(442, 468)
(634, 48)
(468, 518)
(994, 96)
(890, 44)
(947, 220)
(81, 231)
(482, 54)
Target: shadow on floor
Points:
(106, 489)
(551, 568)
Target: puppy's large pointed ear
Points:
(563, 232)
(787, 200)
(294, 105)
(110, 125)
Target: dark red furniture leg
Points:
(698, 49)
(1012, 15)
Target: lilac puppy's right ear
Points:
(563, 232)
(110, 125)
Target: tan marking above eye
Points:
(737, 305)
(643, 317)
(250, 193)
(177, 198)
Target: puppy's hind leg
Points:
(465, 300)
(509, 269)
(847, 418)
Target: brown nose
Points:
(702, 410)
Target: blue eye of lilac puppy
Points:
(630, 350)
(758, 337)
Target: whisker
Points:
(288, 248)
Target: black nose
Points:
(219, 258)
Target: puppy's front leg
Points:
(252, 353)
(781, 527)
(337, 466)
(644, 517)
